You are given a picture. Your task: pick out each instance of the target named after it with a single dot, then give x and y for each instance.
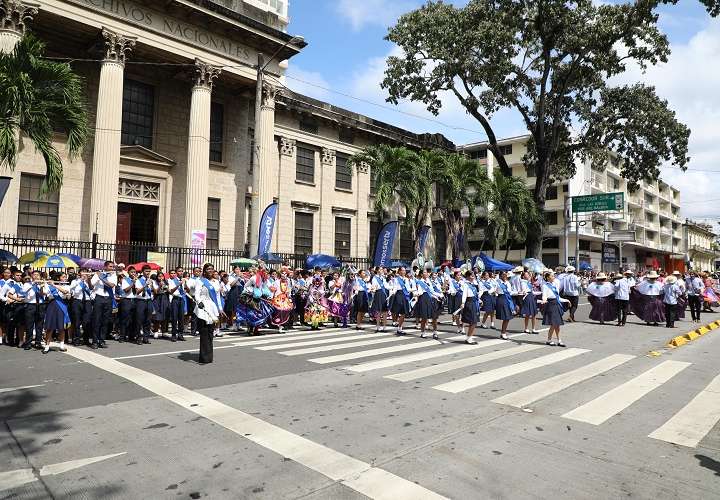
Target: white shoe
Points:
(527, 331)
(47, 349)
(483, 326)
(156, 334)
(422, 334)
(503, 336)
(470, 340)
(536, 332)
(492, 325)
(62, 347)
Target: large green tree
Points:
(551, 62)
(39, 97)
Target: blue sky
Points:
(346, 54)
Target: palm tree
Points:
(463, 185)
(513, 212)
(38, 98)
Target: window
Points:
(217, 118)
(530, 171)
(551, 218)
(251, 143)
(479, 154)
(551, 193)
(137, 114)
(407, 245)
(439, 196)
(343, 173)
(346, 136)
(212, 237)
(342, 236)
(616, 183)
(375, 226)
(309, 126)
(584, 245)
(440, 235)
(305, 164)
(553, 242)
(303, 233)
(373, 183)
(37, 217)
(566, 188)
(506, 149)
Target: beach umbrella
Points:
(322, 261)
(94, 264)
(54, 262)
(138, 266)
(7, 256)
(269, 258)
(75, 258)
(32, 256)
(533, 264)
(243, 262)
(585, 266)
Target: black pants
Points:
(177, 313)
(622, 310)
(143, 313)
(206, 341)
(34, 321)
(573, 304)
(81, 316)
(694, 301)
(670, 315)
(126, 321)
(102, 318)
(15, 319)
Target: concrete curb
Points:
(692, 335)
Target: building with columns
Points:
(178, 143)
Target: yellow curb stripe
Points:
(692, 335)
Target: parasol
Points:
(243, 263)
(139, 265)
(534, 265)
(7, 256)
(53, 262)
(322, 261)
(94, 264)
(32, 256)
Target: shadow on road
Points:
(709, 463)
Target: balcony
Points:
(598, 181)
(667, 231)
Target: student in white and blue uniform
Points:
(470, 305)
(488, 296)
(361, 298)
(36, 298)
(528, 303)
(379, 306)
(143, 306)
(426, 302)
(505, 305)
(178, 305)
(13, 299)
(553, 308)
(126, 307)
(401, 292)
(103, 284)
(454, 297)
(81, 307)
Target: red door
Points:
(122, 233)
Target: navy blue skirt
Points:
(399, 304)
(425, 307)
(54, 318)
(379, 302)
(552, 314)
(503, 312)
(529, 305)
(438, 303)
(161, 307)
(360, 303)
(454, 302)
(489, 301)
(603, 308)
(470, 312)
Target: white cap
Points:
(569, 269)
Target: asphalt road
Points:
(341, 414)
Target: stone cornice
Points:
(14, 14)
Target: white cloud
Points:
(360, 13)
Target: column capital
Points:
(117, 46)
(328, 156)
(269, 93)
(14, 14)
(287, 146)
(205, 74)
(363, 167)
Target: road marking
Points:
(10, 389)
(400, 360)
(282, 337)
(319, 342)
(349, 345)
(461, 363)
(353, 473)
(690, 425)
(465, 383)
(373, 352)
(149, 355)
(20, 477)
(616, 400)
(545, 388)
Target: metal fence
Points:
(132, 252)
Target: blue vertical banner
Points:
(422, 239)
(267, 224)
(385, 243)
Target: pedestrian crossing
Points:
(446, 363)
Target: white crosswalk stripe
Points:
(349, 345)
(614, 401)
(462, 363)
(308, 342)
(283, 337)
(466, 383)
(690, 425)
(545, 388)
(374, 352)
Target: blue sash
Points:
(557, 296)
(212, 292)
(425, 287)
(38, 298)
(363, 285)
(488, 285)
(61, 304)
(85, 289)
(456, 285)
(182, 294)
(476, 294)
(506, 294)
(18, 289)
(405, 291)
(146, 288)
(109, 291)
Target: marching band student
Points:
(143, 306)
(5, 276)
(103, 283)
(516, 288)
(528, 308)
(178, 305)
(14, 303)
(695, 287)
(570, 290)
(233, 288)
(469, 310)
(553, 308)
(400, 295)
(379, 306)
(622, 296)
(36, 293)
(81, 307)
(505, 306)
(454, 298)
(488, 297)
(425, 306)
(601, 296)
(439, 297)
(208, 310)
(126, 307)
(161, 304)
(57, 315)
(671, 293)
(361, 298)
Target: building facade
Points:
(652, 212)
(699, 244)
(179, 145)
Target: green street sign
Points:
(598, 202)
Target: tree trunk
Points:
(533, 246)
(507, 250)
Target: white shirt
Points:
(99, 286)
(31, 297)
(547, 293)
(76, 290)
(695, 286)
(210, 311)
(622, 288)
(144, 292)
(570, 285)
(128, 287)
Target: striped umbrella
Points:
(31, 257)
(75, 258)
(54, 262)
(94, 264)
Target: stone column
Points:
(264, 186)
(198, 162)
(106, 150)
(14, 15)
